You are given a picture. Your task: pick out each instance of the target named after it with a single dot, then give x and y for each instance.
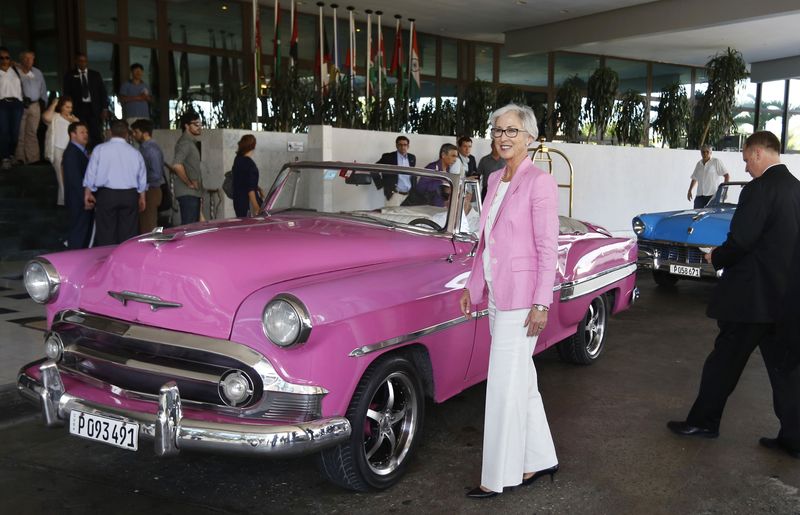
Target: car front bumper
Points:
(648, 259)
(172, 431)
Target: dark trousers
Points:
(10, 116)
(85, 113)
(116, 215)
(700, 201)
(190, 209)
(80, 226)
(723, 367)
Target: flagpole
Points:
(369, 51)
(275, 58)
(256, 44)
(335, 40)
(380, 57)
(291, 31)
(352, 50)
(321, 53)
(410, 57)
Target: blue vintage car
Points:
(672, 243)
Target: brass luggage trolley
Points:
(542, 154)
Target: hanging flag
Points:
(183, 69)
(397, 69)
(336, 68)
(369, 74)
(414, 83)
(213, 71)
(380, 59)
(323, 56)
(293, 42)
(276, 43)
(350, 62)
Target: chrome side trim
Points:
(227, 348)
(573, 289)
(398, 340)
(155, 303)
(173, 431)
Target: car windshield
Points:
(727, 195)
(353, 192)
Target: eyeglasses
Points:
(512, 132)
(5, 57)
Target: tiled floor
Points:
(22, 323)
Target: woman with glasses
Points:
(516, 262)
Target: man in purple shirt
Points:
(115, 185)
(435, 192)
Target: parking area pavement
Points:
(608, 422)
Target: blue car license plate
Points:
(687, 271)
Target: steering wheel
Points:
(430, 223)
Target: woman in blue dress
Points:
(247, 196)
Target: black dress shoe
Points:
(774, 443)
(479, 493)
(546, 472)
(684, 429)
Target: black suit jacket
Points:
(389, 182)
(74, 163)
(472, 167)
(758, 254)
(72, 87)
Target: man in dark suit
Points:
(74, 164)
(89, 98)
(466, 161)
(396, 186)
(748, 303)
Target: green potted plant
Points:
(601, 92)
(673, 115)
(630, 118)
(725, 71)
(473, 106)
(567, 113)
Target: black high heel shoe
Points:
(546, 472)
(480, 493)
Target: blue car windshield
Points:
(727, 195)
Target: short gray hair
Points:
(706, 147)
(524, 113)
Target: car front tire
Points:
(585, 346)
(386, 414)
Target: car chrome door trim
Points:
(398, 340)
(574, 289)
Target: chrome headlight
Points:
(638, 226)
(41, 280)
(286, 320)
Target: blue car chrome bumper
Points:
(665, 256)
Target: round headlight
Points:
(286, 320)
(235, 388)
(41, 280)
(638, 226)
(54, 347)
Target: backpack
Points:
(227, 184)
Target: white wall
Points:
(612, 183)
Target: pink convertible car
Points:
(319, 326)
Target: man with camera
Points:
(34, 93)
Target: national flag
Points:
(379, 62)
(293, 43)
(276, 42)
(414, 83)
(322, 66)
(397, 69)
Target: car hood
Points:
(707, 226)
(210, 269)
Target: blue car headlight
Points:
(638, 226)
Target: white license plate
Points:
(689, 271)
(105, 429)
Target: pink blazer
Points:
(524, 241)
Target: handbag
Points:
(227, 184)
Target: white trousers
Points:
(516, 437)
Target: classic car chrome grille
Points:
(678, 253)
(100, 352)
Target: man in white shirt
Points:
(34, 92)
(706, 175)
(10, 108)
(466, 165)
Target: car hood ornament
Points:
(155, 303)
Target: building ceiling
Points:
(675, 31)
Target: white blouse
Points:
(502, 188)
